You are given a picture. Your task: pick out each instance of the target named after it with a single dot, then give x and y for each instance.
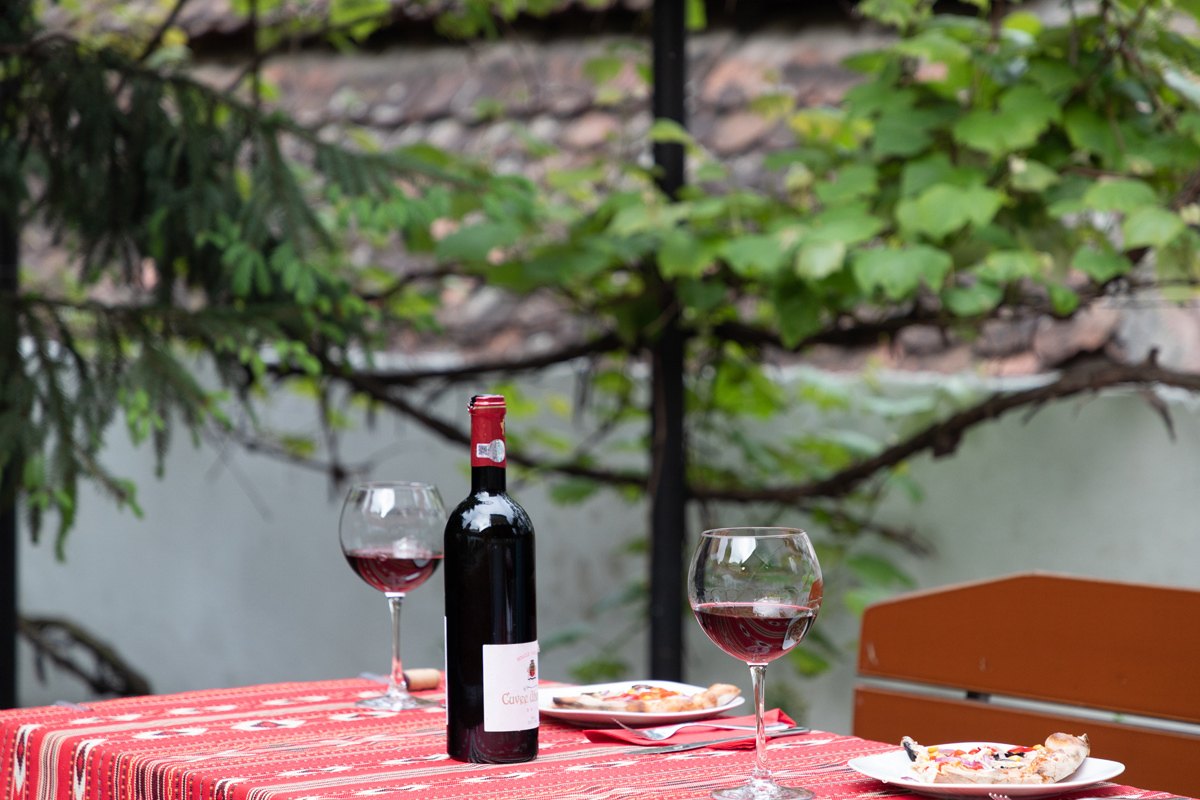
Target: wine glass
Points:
(391, 535)
(755, 593)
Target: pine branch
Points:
(157, 37)
(48, 50)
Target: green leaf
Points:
(640, 218)
(874, 570)
(599, 669)
(1024, 21)
(857, 600)
(1063, 300)
(1006, 266)
(671, 132)
(474, 243)
(934, 46)
(852, 182)
(1027, 175)
(1090, 132)
(943, 209)
(754, 255)
(828, 127)
(918, 175)
(901, 271)
(1024, 113)
(1120, 194)
(894, 13)
(603, 68)
(573, 490)
(904, 133)
(1054, 76)
(682, 255)
(877, 96)
(849, 225)
(808, 663)
(1184, 84)
(798, 313)
(1101, 265)
(974, 300)
(816, 260)
(359, 17)
(1151, 227)
(742, 387)
(700, 295)
(1192, 7)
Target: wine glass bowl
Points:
(391, 536)
(756, 593)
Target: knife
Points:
(679, 748)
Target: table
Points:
(303, 741)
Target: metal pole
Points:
(668, 456)
(9, 476)
(14, 15)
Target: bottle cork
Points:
(418, 679)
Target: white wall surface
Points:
(234, 575)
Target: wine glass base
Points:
(399, 702)
(762, 789)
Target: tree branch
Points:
(943, 438)
(904, 537)
(605, 343)
(59, 640)
(380, 392)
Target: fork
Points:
(667, 731)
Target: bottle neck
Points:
(488, 453)
(488, 479)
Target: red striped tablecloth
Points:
(302, 741)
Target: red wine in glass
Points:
(755, 593)
(382, 569)
(755, 632)
(391, 535)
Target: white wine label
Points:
(510, 686)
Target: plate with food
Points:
(637, 702)
(976, 769)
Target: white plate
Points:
(895, 768)
(580, 715)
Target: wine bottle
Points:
(491, 608)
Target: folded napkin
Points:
(730, 740)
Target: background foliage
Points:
(988, 166)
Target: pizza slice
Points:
(1056, 759)
(650, 699)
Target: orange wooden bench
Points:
(1018, 658)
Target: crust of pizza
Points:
(1063, 755)
(644, 698)
(1056, 759)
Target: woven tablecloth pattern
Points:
(303, 741)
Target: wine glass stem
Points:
(758, 679)
(396, 685)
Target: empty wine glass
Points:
(755, 593)
(391, 535)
